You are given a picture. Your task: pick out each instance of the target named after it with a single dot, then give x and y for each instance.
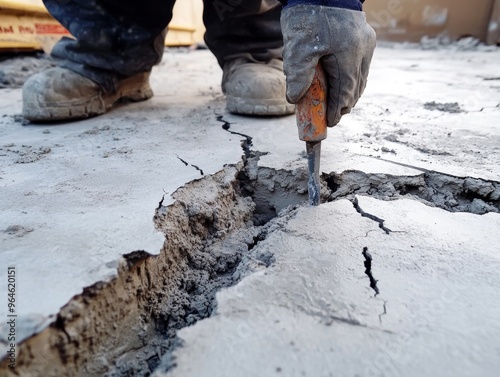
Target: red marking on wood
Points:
(50, 29)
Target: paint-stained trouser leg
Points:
(245, 36)
(120, 38)
(242, 28)
(114, 38)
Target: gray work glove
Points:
(344, 42)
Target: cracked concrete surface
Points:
(313, 313)
(77, 221)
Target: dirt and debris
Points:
(18, 230)
(25, 154)
(387, 150)
(441, 43)
(452, 107)
(16, 69)
(96, 130)
(118, 151)
(454, 194)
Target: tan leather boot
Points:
(255, 88)
(61, 94)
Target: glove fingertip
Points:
(299, 77)
(295, 92)
(334, 114)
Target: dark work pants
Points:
(120, 38)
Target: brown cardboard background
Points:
(494, 26)
(410, 20)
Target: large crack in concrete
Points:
(123, 327)
(128, 326)
(454, 194)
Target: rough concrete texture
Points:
(111, 263)
(132, 320)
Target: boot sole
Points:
(245, 106)
(92, 106)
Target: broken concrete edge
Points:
(31, 324)
(136, 314)
(317, 282)
(435, 189)
(126, 264)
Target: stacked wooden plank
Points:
(26, 25)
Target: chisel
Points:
(312, 126)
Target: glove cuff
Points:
(346, 4)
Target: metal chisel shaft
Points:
(312, 126)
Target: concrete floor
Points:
(76, 197)
(313, 313)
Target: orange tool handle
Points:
(312, 107)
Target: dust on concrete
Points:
(118, 151)
(29, 154)
(24, 154)
(450, 107)
(441, 43)
(16, 69)
(18, 230)
(18, 118)
(96, 130)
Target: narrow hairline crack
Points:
(245, 144)
(373, 282)
(384, 312)
(188, 164)
(378, 220)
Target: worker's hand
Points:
(344, 42)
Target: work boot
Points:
(61, 94)
(255, 88)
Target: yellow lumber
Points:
(17, 7)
